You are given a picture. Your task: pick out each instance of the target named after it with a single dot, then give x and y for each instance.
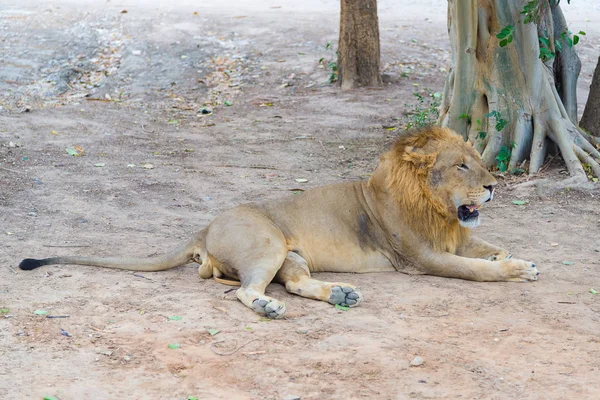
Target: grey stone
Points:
(418, 360)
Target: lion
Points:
(414, 215)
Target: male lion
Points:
(414, 215)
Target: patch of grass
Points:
(424, 112)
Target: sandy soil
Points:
(164, 62)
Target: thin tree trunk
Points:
(513, 100)
(358, 48)
(590, 121)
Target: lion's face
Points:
(460, 180)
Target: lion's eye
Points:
(462, 166)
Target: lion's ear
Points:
(419, 160)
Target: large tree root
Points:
(514, 102)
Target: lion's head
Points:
(439, 182)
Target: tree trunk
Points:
(358, 48)
(590, 121)
(506, 100)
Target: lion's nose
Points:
(490, 188)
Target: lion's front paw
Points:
(345, 295)
(269, 307)
(519, 270)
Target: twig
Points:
(144, 129)
(228, 353)
(567, 302)
(142, 276)
(245, 166)
(12, 170)
(66, 245)
(97, 99)
(547, 164)
(98, 329)
(58, 316)
(323, 147)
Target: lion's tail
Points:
(179, 256)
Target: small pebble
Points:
(417, 361)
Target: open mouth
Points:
(467, 213)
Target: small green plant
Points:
(533, 11)
(500, 122)
(4, 311)
(424, 112)
(503, 156)
(481, 134)
(545, 52)
(330, 65)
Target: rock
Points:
(389, 77)
(418, 360)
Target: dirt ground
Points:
(129, 89)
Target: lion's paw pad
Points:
(271, 308)
(346, 296)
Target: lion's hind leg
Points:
(259, 268)
(252, 290)
(295, 275)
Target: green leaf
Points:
(593, 291)
(321, 60)
(568, 262)
(503, 42)
(506, 31)
(212, 332)
(581, 33)
(465, 116)
(100, 164)
(437, 95)
(519, 202)
(4, 311)
(481, 135)
(510, 39)
(503, 154)
(50, 398)
(558, 45)
(40, 312)
(174, 346)
(544, 40)
(575, 39)
(227, 103)
(192, 398)
(175, 317)
(342, 307)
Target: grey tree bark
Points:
(590, 121)
(535, 99)
(358, 47)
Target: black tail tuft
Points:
(31, 263)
